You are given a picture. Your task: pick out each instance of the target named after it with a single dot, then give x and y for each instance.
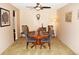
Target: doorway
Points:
(14, 32)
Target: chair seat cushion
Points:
(45, 40)
(31, 40)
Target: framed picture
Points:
(4, 17)
(68, 17)
(78, 14)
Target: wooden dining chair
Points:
(47, 40)
(29, 39)
(25, 31)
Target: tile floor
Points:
(19, 48)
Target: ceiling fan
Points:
(39, 7)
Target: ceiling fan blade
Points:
(46, 7)
(29, 7)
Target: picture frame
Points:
(68, 17)
(78, 15)
(4, 17)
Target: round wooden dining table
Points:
(38, 39)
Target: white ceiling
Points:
(53, 5)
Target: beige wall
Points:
(28, 17)
(6, 33)
(68, 32)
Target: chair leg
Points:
(35, 46)
(27, 45)
(40, 46)
(49, 45)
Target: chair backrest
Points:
(26, 36)
(25, 28)
(50, 27)
(50, 34)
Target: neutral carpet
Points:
(19, 48)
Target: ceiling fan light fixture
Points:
(38, 8)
